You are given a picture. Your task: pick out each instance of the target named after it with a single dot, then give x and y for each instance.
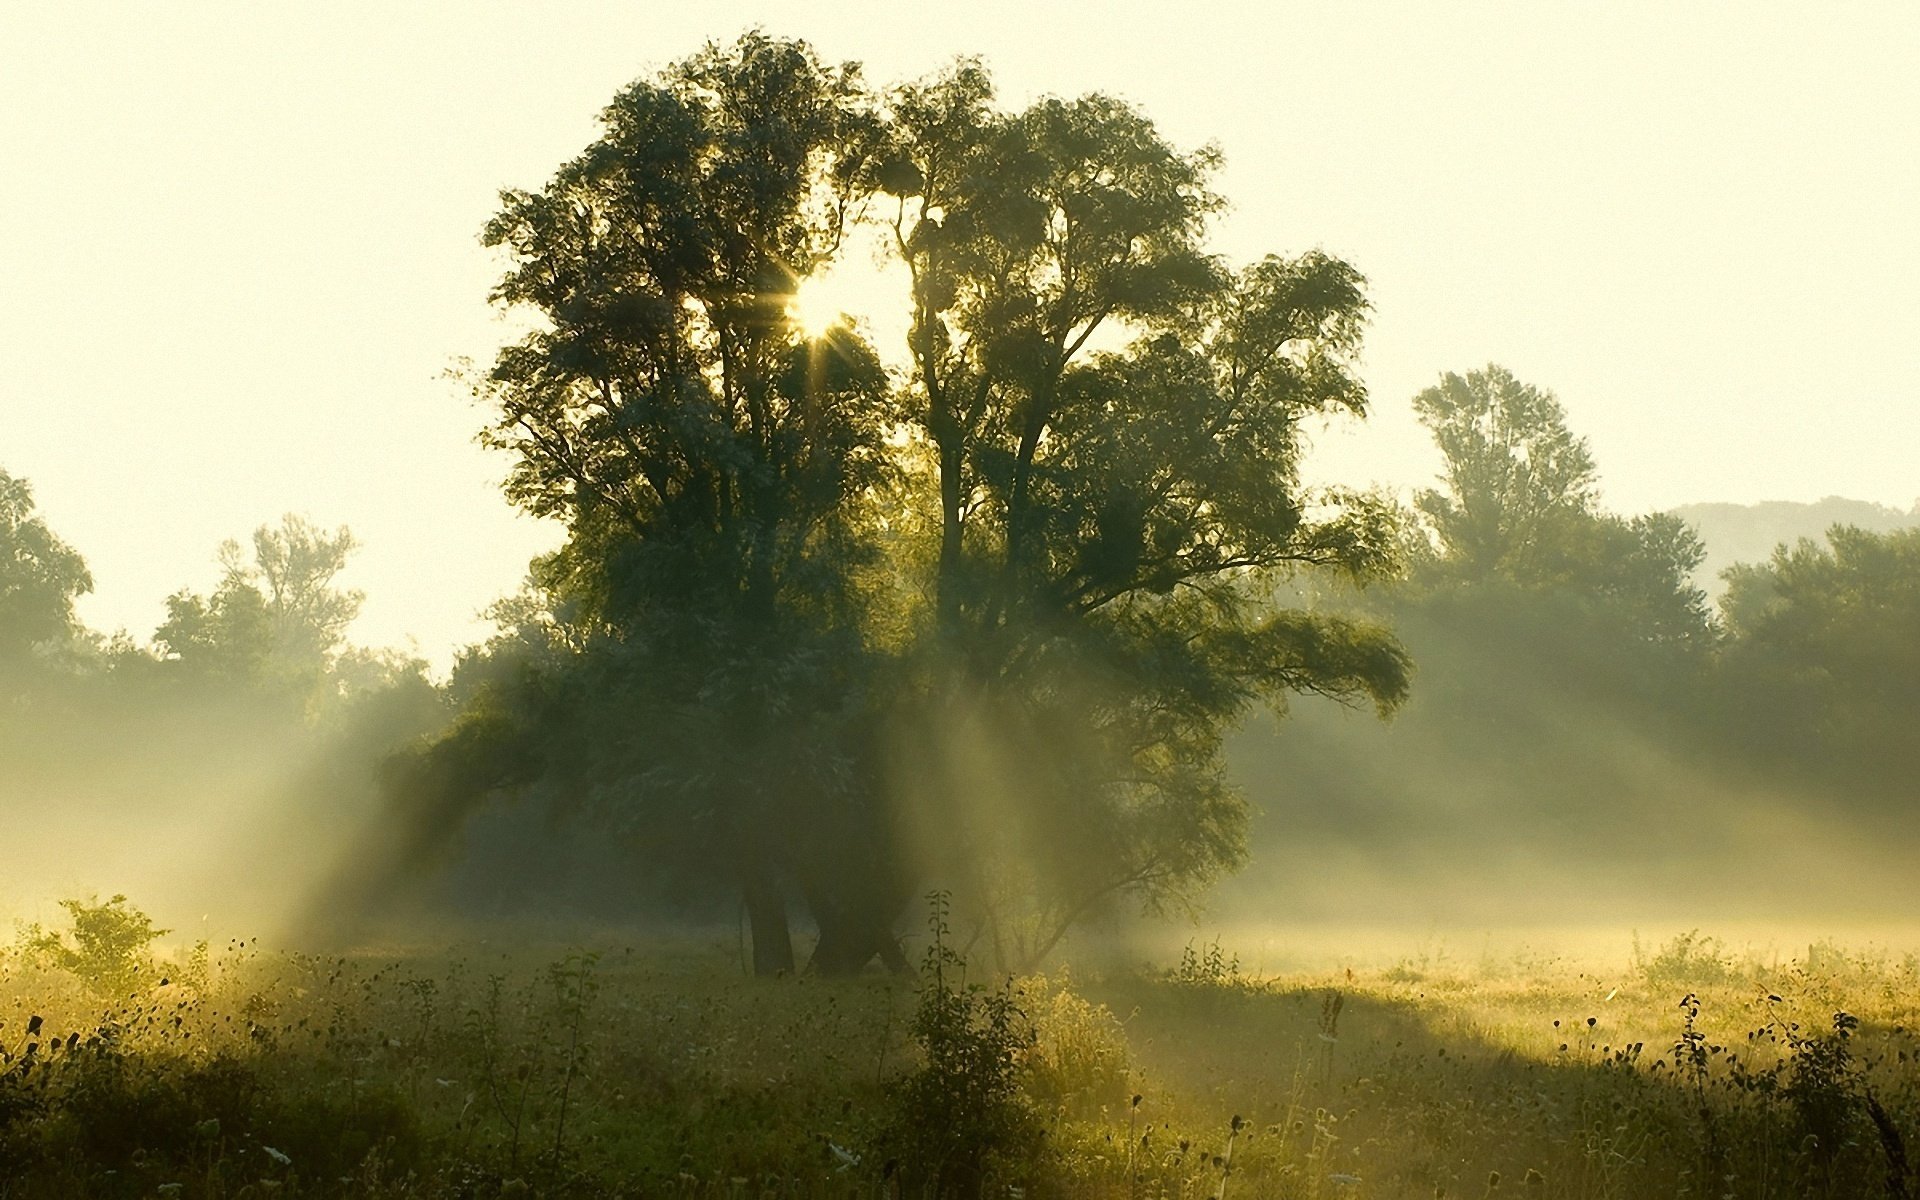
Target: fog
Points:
(994, 592)
(1522, 801)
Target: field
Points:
(660, 1070)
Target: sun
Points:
(815, 307)
(860, 289)
(827, 298)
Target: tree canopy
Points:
(1519, 507)
(40, 577)
(811, 612)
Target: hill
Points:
(1737, 533)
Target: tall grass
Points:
(657, 1070)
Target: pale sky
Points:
(238, 242)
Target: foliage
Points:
(1109, 523)
(40, 576)
(1078, 1063)
(1516, 476)
(1211, 966)
(959, 1118)
(1520, 506)
(740, 669)
(708, 460)
(1822, 667)
(658, 1072)
(276, 619)
(106, 947)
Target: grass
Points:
(661, 1070)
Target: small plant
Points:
(1209, 967)
(1689, 960)
(574, 988)
(1821, 1085)
(1692, 1063)
(960, 1117)
(106, 948)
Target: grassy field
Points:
(658, 1070)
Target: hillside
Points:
(1737, 533)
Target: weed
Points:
(1077, 1063)
(960, 1118)
(241, 1072)
(1209, 967)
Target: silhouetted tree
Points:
(40, 576)
(708, 461)
(738, 665)
(1111, 523)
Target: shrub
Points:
(960, 1118)
(106, 948)
(1689, 960)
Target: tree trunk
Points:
(767, 924)
(852, 937)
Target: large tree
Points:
(708, 460)
(1111, 522)
(834, 632)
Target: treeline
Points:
(212, 764)
(1583, 724)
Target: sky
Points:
(240, 266)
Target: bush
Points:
(1210, 967)
(106, 948)
(1689, 960)
(960, 1118)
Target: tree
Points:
(1111, 523)
(742, 670)
(40, 576)
(708, 461)
(1822, 659)
(1520, 509)
(1517, 479)
(276, 619)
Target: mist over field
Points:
(957, 737)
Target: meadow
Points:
(658, 1069)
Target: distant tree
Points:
(1748, 533)
(294, 568)
(1520, 507)
(1517, 479)
(1822, 666)
(276, 616)
(40, 576)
